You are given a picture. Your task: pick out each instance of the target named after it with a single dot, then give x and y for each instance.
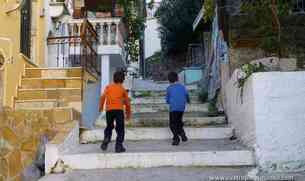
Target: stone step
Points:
(60, 115)
(165, 114)
(158, 153)
(160, 120)
(157, 133)
(139, 108)
(41, 83)
(67, 94)
(38, 104)
(53, 72)
(159, 100)
(158, 93)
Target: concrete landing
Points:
(154, 133)
(150, 174)
(158, 153)
(145, 146)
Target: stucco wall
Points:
(240, 110)
(271, 118)
(280, 120)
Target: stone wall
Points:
(21, 133)
(271, 118)
(240, 56)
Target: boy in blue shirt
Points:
(177, 97)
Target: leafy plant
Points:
(203, 95)
(246, 71)
(144, 94)
(209, 7)
(134, 18)
(212, 108)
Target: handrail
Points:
(77, 50)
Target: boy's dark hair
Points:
(119, 77)
(172, 77)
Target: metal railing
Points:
(76, 51)
(25, 32)
(299, 6)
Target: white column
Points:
(105, 77)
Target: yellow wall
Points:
(10, 29)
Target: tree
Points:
(176, 18)
(267, 16)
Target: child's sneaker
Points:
(119, 148)
(104, 145)
(176, 142)
(184, 138)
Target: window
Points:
(299, 6)
(25, 38)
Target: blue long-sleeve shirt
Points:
(177, 97)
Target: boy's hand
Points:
(128, 117)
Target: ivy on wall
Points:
(208, 7)
(135, 24)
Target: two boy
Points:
(116, 98)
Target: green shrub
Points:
(203, 95)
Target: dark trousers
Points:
(176, 123)
(118, 117)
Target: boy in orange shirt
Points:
(116, 97)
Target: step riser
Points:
(141, 108)
(159, 100)
(40, 84)
(164, 122)
(158, 94)
(158, 134)
(148, 160)
(67, 95)
(52, 73)
(47, 105)
(165, 114)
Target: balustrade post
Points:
(109, 33)
(117, 33)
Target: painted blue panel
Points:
(91, 105)
(192, 75)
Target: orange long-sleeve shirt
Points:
(116, 97)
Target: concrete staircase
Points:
(148, 141)
(47, 88)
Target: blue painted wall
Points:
(91, 104)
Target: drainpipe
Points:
(10, 42)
